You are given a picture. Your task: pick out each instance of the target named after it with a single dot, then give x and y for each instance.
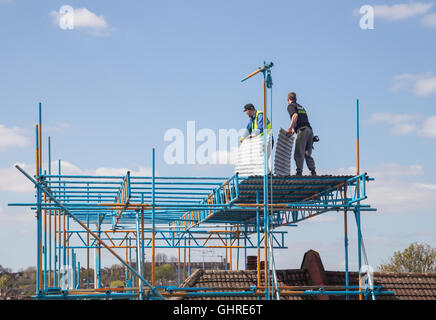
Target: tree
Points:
(164, 272)
(4, 269)
(416, 258)
(172, 259)
(161, 258)
(6, 281)
(117, 284)
(30, 273)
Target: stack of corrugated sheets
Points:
(282, 158)
(250, 159)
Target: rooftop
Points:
(311, 275)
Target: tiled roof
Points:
(405, 286)
(337, 278)
(232, 280)
(408, 286)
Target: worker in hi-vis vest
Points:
(255, 125)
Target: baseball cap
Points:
(248, 106)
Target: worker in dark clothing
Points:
(300, 125)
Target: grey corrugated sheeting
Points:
(282, 159)
(286, 190)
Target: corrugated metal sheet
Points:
(286, 190)
(250, 160)
(283, 153)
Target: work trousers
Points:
(303, 149)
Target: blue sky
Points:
(111, 87)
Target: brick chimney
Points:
(313, 264)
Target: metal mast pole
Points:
(153, 220)
(264, 70)
(38, 218)
(357, 210)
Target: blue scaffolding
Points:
(138, 213)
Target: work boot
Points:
(299, 173)
(313, 172)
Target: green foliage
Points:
(6, 281)
(111, 274)
(30, 274)
(164, 271)
(117, 284)
(416, 258)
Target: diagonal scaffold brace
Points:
(44, 189)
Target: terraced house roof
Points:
(405, 286)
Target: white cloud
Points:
(425, 86)
(407, 123)
(387, 117)
(68, 168)
(404, 129)
(12, 137)
(399, 196)
(392, 191)
(323, 218)
(418, 84)
(401, 11)
(351, 170)
(142, 171)
(397, 170)
(429, 20)
(13, 216)
(426, 186)
(14, 181)
(58, 128)
(377, 240)
(401, 123)
(85, 20)
(382, 170)
(429, 127)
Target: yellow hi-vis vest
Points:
(254, 123)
